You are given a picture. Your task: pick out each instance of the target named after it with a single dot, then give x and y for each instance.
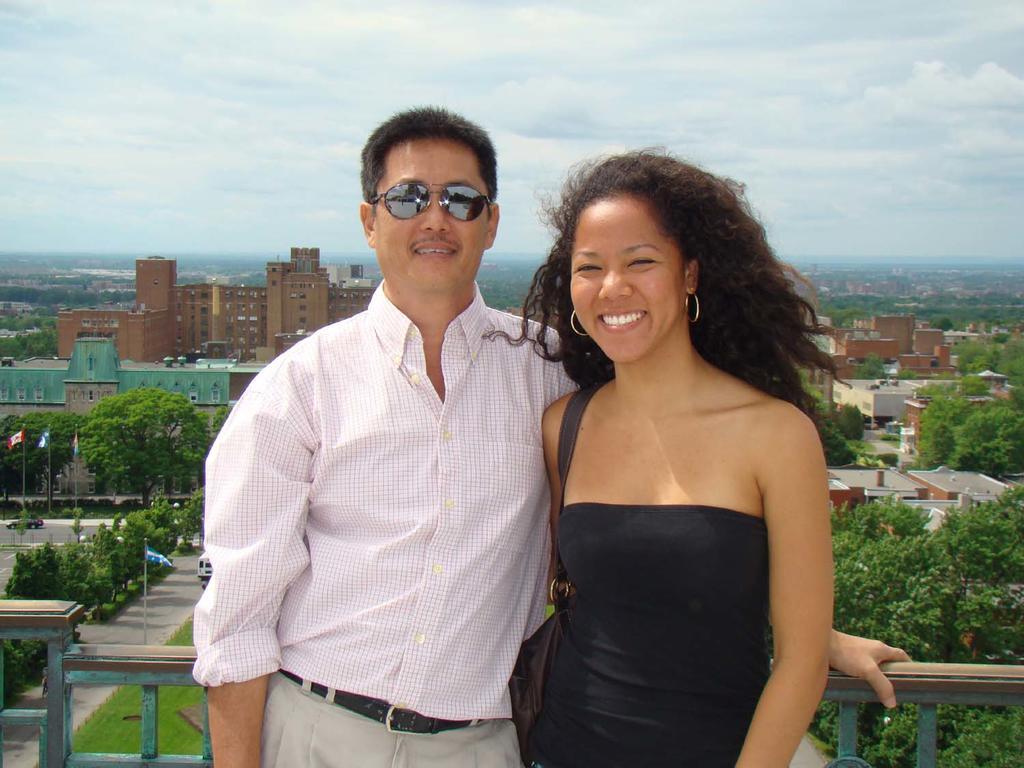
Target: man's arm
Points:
(861, 657)
(236, 722)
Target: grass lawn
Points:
(117, 726)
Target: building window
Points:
(21, 394)
(5, 392)
(39, 394)
(215, 394)
(193, 395)
(90, 396)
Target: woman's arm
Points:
(794, 490)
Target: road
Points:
(170, 605)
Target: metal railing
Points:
(926, 685)
(70, 664)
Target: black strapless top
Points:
(667, 651)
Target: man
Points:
(376, 502)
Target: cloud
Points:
(241, 122)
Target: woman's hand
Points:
(861, 657)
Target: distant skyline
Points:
(861, 131)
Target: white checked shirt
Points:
(370, 537)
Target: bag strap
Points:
(569, 430)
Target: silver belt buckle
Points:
(387, 718)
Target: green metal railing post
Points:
(52, 621)
(927, 736)
(847, 729)
(207, 746)
(150, 721)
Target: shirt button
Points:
(446, 435)
(415, 378)
(420, 638)
(448, 503)
(438, 568)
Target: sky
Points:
(860, 130)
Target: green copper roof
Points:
(201, 386)
(93, 360)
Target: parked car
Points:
(32, 522)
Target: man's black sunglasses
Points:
(404, 201)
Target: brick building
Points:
(217, 320)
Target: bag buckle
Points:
(560, 589)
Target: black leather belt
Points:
(394, 718)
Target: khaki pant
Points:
(301, 730)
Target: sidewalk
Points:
(170, 605)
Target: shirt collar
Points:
(393, 327)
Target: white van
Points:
(204, 569)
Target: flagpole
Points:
(49, 474)
(74, 467)
(145, 591)
(24, 504)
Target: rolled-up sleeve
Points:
(258, 477)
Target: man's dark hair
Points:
(426, 123)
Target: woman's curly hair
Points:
(753, 324)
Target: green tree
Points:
(38, 461)
(189, 517)
(111, 561)
(939, 422)
(837, 451)
(220, 415)
(976, 356)
(990, 440)
(850, 422)
(144, 437)
(973, 386)
(945, 596)
(36, 574)
(872, 368)
(154, 525)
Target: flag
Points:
(44, 439)
(16, 438)
(155, 557)
(74, 445)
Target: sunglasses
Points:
(404, 201)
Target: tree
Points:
(945, 596)
(189, 517)
(220, 415)
(144, 437)
(36, 574)
(153, 526)
(939, 421)
(973, 386)
(837, 450)
(62, 428)
(990, 440)
(850, 422)
(872, 368)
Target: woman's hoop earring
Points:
(696, 302)
(573, 320)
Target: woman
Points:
(696, 498)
